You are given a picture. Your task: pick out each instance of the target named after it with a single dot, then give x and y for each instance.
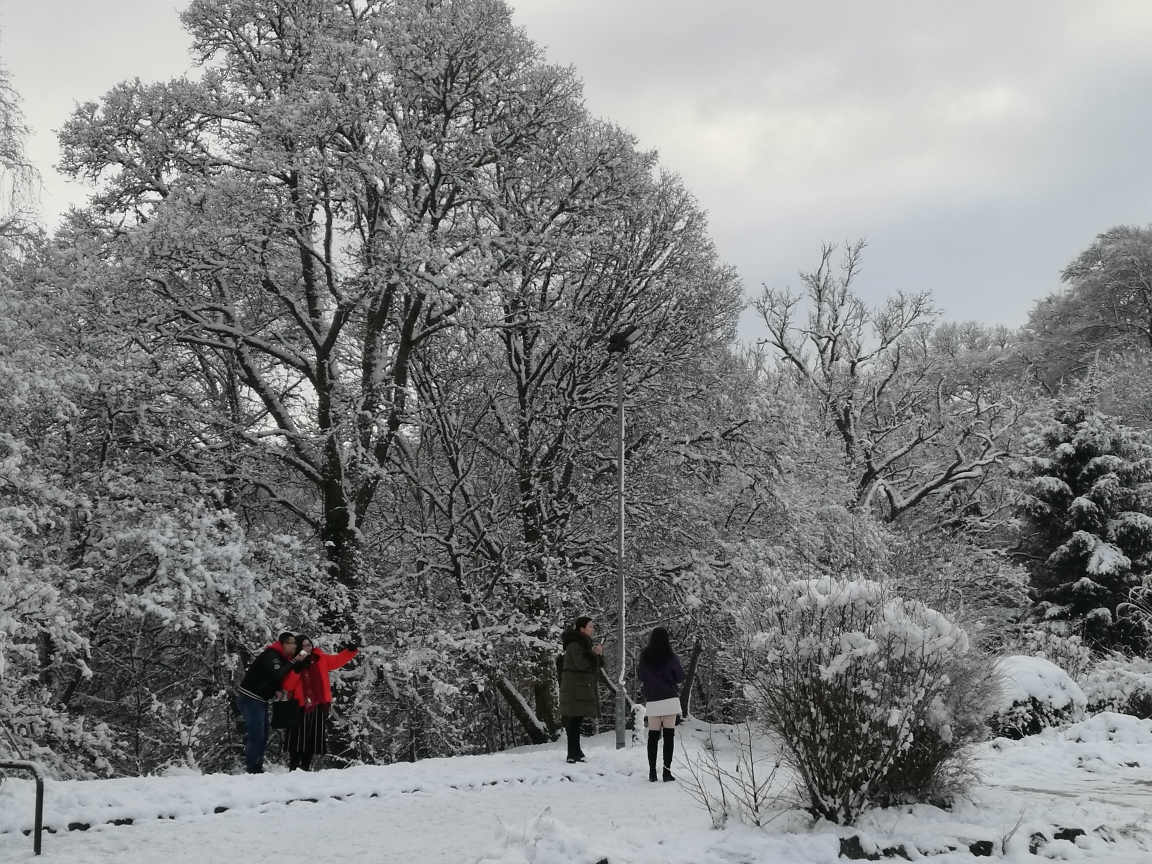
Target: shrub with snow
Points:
(1055, 644)
(1036, 694)
(874, 698)
(1120, 684)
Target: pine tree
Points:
(1087, 526)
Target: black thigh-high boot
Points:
(669, 747)
(653, 749)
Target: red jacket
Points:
(325, 663)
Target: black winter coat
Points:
(263, 677)
(661, 680)
(579, 688)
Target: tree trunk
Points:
(689, 680)
(546, 695)
(538, 733)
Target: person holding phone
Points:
(259, 686)
(579, 687)
(311, 687)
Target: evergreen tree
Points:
(1087, 525)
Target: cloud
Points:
(979, 145)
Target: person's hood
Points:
(573, 635)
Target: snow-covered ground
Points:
(529, 806)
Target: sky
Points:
(977, 147)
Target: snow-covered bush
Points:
(1053, 642)
(874, 698)
(1120, 684)
(1036, 694)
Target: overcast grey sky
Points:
(977, 146)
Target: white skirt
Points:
(663, 707)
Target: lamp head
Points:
(620, 340)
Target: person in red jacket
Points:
(312, 690)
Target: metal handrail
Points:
(37, 773)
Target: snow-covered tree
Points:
(385, 244)
(19, 179)
(910, 429)
(1104, 309)
(1086, 526)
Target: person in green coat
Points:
(579, 688)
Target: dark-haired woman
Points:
(661, 674)
(312, 690)
(579, 689)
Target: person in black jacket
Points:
(258, 687)
(661, 675)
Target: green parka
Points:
(579, 687)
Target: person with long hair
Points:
(312, 690)
(579, 689)
(661, 674)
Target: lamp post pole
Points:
(618, 345)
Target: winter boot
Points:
(669, 747)
(653, 749)
(305, 761)
(572, 729)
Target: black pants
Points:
(572, 727)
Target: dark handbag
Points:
(286, 714)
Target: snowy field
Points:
(529, 806)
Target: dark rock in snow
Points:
(981, 848)
(852, 848)
(1036, 841)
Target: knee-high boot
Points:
(653, 749)
(669, 748)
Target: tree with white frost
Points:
(385, 245)
(19, 180)
(1103, 310)
(1086, 526)
(910, 429)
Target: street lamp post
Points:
(618, 344)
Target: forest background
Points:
(326, 351)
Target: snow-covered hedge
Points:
(1120, 684)
(874, 698)
(1036, 694)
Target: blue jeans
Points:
(255, 714)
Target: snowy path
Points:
(488, 808)
(415, 817)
